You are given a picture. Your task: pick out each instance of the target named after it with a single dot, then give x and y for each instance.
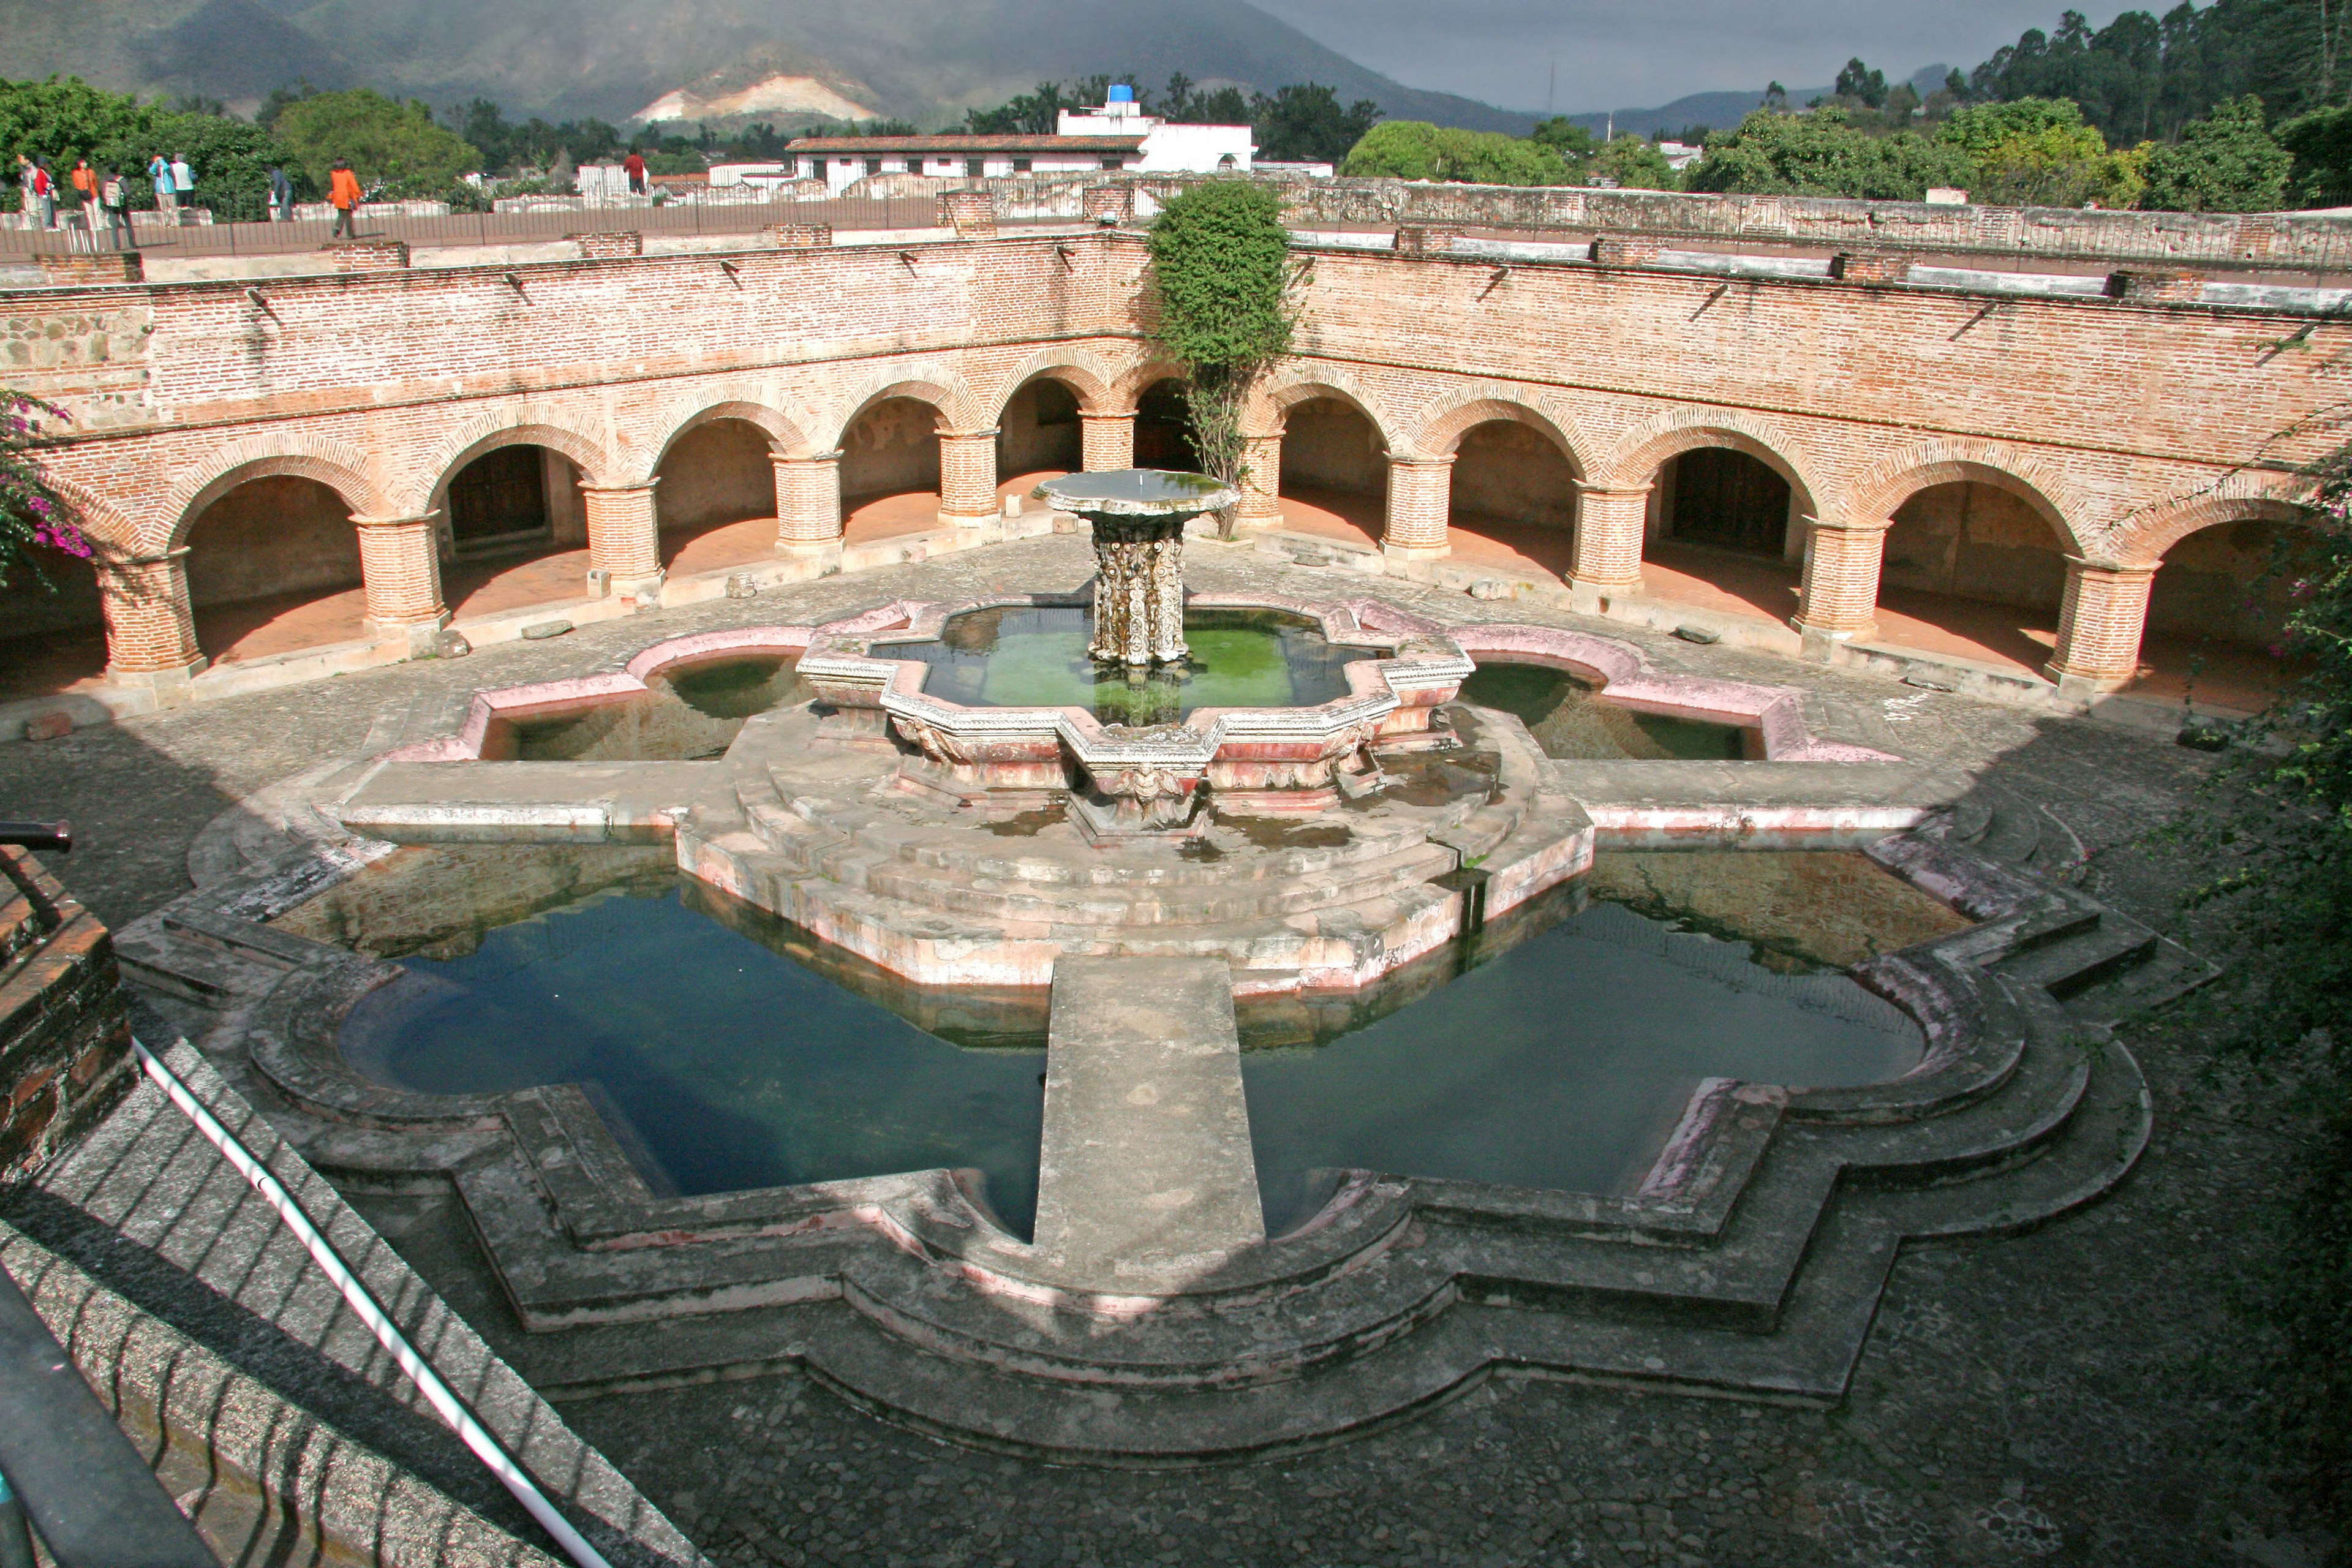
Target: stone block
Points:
(1627, 249)
(597, 247)
(1110, 203)
(52, 725)
(1416, 239)
(798, 236)
(1871, 266)
(2155, 286)
(81, 269)
(971, 214)
(369, 254)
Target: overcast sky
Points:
(1626, 54)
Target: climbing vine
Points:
(32, 514)
(1220, 279)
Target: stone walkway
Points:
(2077, 1396)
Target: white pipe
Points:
(356, 1296)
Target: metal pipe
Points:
(362, 1304)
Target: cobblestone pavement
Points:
(2077, 1395)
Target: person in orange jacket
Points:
(344, 195)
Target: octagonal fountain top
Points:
(1138, 492)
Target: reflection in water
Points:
(1564, 1045)
(731, 1049)
(1571, 719)
(1036, 657)
(685, 712)
(723, 1061)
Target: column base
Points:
(1590, 596)
(1820, 644)
(1415, 552)
(642, 593)
(969, 519)
(165, 683)
(809, 550)
(423, 637)
(2073, 686)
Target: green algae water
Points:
(1027, 656)
(1572, 721)
(685, 714)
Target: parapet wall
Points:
(65, 1035)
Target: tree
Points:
(391, 146)
(1031, 114)
(1220, 284)
(1635, 163)
(33, 515)
(2321, 143)
(1819, 154)
(1569, 140)
(2036, 152)
(2225, 163)
(65, 119)
(1415, 149)
(1303, 124)
(1863, 85)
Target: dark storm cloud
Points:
(1624, 53)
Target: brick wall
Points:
(64, 1040)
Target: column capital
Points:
(990, 434)
(2113, 568)
(1587, 488)
(833, 456)
(156, 558)
(410, 520)
(1840, 525)
(590, 487)
(1091, 413)
(1414, 460)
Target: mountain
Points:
(925, 60)
(1722, 110)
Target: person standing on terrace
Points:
(183, 181)
(633, 165)
(167, 196)
(344, 195)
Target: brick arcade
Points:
(1834, 433)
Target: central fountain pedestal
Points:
(1139, 517)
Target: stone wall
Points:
(717, 473)
(1039, 430)
(891, 449)
(273, 535)
(1505, 469)
(1977, 542)
(1327, 445)
(64, 1035)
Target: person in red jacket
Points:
(343, 196)
(633, 165)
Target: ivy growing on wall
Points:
(1220, 281)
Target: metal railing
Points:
(231, 233)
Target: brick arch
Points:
(108, 528)
(1447, 419)
(1082, 373)
(340, 468)
(492, 431)
(1271, 402)
(2142, 538)
(1640, 455)
(682, 419)
(1875, 496)
(1127, 389)
(932, 383)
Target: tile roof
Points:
(954, 143)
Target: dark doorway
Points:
(1728, 499)
(499, 496)
(1163, 429)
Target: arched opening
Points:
(890, 471)
(514, 531)
(2217, 612)
(1514, 497)
(1720, 533)
(1975, 572)
(274, 566)
(1039, 437)
(716, 502)
(1163, 428)
(51, 641)
(1335, 472)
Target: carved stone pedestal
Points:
(1139, 590)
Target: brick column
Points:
(971, 214)
(150, 629)
(1261, 485)
(1605, 554)
(1421, 496)
(400, 562)
(624, 540)
(1841, 591)
(968, 475)
(808, 503)
(1107, 442)
(2099, 626)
